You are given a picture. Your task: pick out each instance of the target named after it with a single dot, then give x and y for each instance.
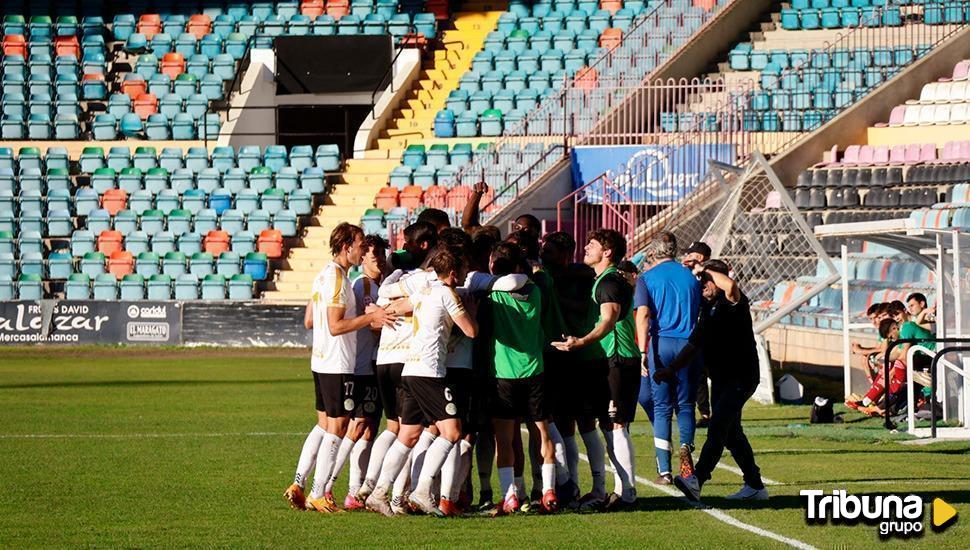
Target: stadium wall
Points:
(235, 324)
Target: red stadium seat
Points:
(149, 24)
(587, 78)
(270, 242)
(199, 25)
(15, 44)
(458, 196)
(311, 8)
(387, 198)
(411, 196)
(173, 64)
(131, 88)
(216, 242)
(338, 9)
(121, 263)
(114, 200)
(435, 197)
(68, 46)
(611, 38)
(109, 242)
(439, 8)
(144, 105)
(611, 5)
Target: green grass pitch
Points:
(115, 447)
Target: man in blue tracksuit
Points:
(667, 302)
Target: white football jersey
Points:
(435, 310)
(365, 293)
(395, 342)
(333, 354)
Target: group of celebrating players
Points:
(460, 339)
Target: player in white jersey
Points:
(332, 314)
(366, 416)
(426, 396)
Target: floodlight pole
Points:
(846, 347)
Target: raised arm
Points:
(469, 216)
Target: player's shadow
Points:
(776, 502)
(137, 383)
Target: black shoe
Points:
(616, 504)
(567, 493)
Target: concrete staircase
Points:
(413, 122)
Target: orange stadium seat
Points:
(411, 196)
(132, 88)
(109, 242)
(386, 198)
(338, 8)
(435, 197)
(611, 5)
(270, 242)
(216, 242)
(199, 25)
(173, 64)
(312, 8)
(114, 200)
(458, 196)
(67, 46)
(611, 38)
(144, 105)
(15, 44)
(149, 24)
(121, 263)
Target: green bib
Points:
(621, 341)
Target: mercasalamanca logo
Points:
(894, 515)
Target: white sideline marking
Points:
(718, 514)
(737, 471)
(146, 435)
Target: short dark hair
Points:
(528, 242)
(445, 262)
(873, 309)
(627, 266)
(883, 308)
(435, 217)
(457, 241)
(530, 221)
(885, 326)
(420, 232)
(344, 235)
(896, 307)
(378, 243)
(506, 258)
(918, 296)
(610, 240)
(563, 241)
(719, 266)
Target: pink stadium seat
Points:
(964, 152)
(880, 154)
(897, 155)
(912, 153)
(897, 115)
(961, 70)
(851, 155)
(865, 155)
(927, 152)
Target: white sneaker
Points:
(423, 502)
(689, 486)
(748, 493)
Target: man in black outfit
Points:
(724, 325)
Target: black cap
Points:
(699, 247)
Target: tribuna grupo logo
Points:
(894, 515)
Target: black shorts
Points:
(520, 398)
(426, 400)
(367, 396)
(624, 382)
(561, 387)
(460, 380)
(592, 389)
(389, 386)
(335, 394)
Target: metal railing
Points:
(887, 362)
(906, 44)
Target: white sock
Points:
(572, 457)
(562, 470)
(464, 468)
(378, 450)
(325, 459)
(417, 456)
(519, 487)
(434, 459)
(506, 481)
(394, 462)
(624, 463)
(403, 479)
(597, 461)
(449, 473)
(617, 480)
(359, 457)
(548, 477)
(485, 458)
(308, 456)
(342, 453)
